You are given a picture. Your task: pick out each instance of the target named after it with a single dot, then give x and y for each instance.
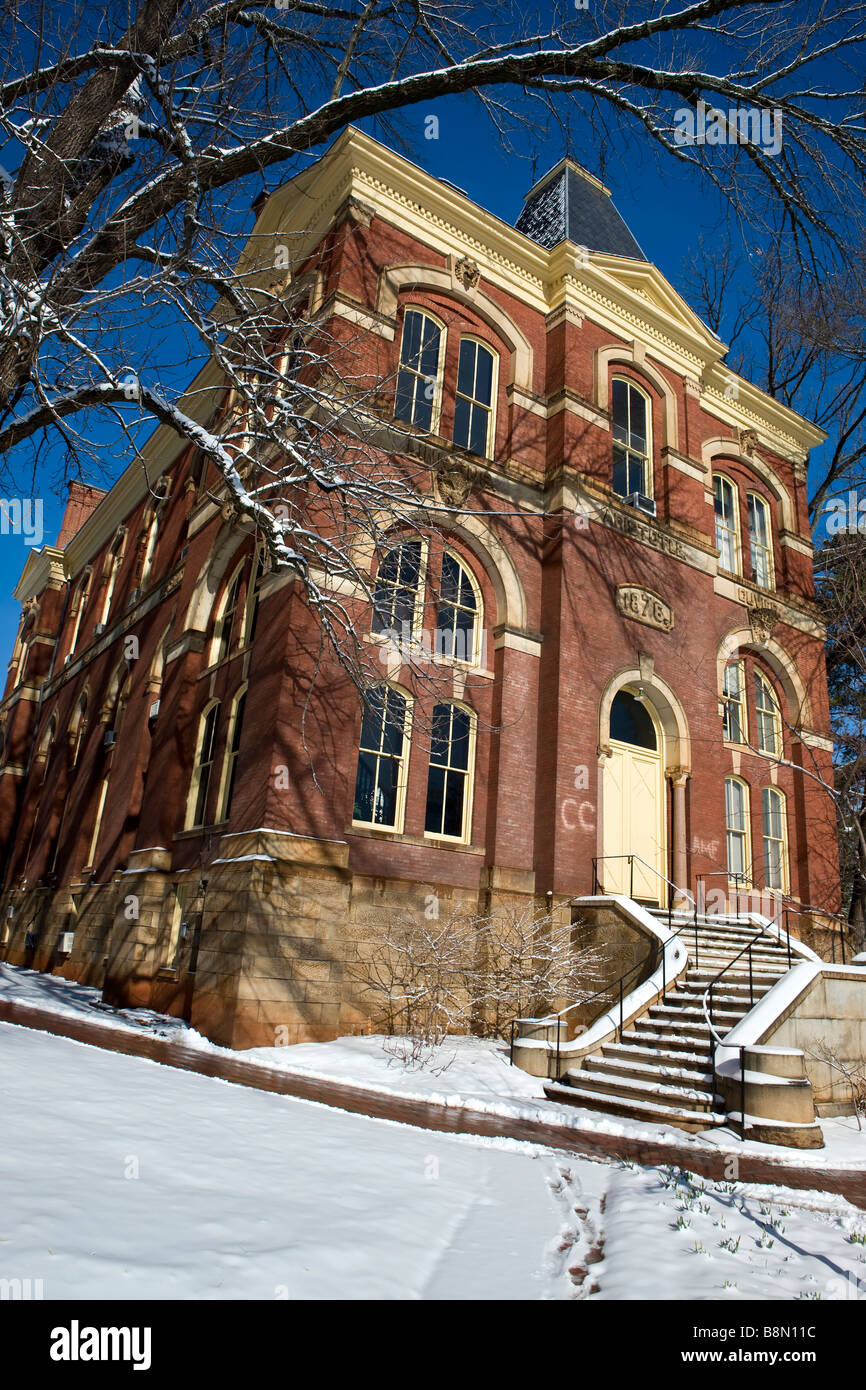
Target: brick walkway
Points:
(707, 1162)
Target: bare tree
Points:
(425, 977)
(133, 146)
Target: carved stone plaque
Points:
(644, 606)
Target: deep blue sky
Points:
(667, 207)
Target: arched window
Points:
(109, 575)
(236, 721)
(760, 541)
(203, 766)
(449, 778)
(398, 592)
(418, 393)
(473, 406)
(77, 730)
(767, 717)
(225, 620)
(775, 835)
(630, 419)
(458, 624)
(149, 549)
(21, 663)
(80, 603)
(380, 782)
(631, 722)
(737, 834)
(727, 527)
(97, 824)
(735, 728)
(251, 608)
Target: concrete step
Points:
(634, 1109)
(670, 1074)
(661, 1056)
(694, 1013)
(697, 1041)
(639, 1088)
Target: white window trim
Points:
(786, 876)
(216, 636)
(494, 388)
(195, 777)
(738, 546)
(420, 592)
(650, 471)
(771, 558)
(464, 838)
(747, 833)
(403, 780)
(475, 660)
(777, 717)
(742, 704)
(436, 406)
(222, 808)
(97, 824)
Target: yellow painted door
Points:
(633, 823)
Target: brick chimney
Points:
(80, 503)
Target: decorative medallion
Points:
(452, 481)
(467, 273)
(762, 620)
(643, 606)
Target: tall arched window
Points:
(225, 619)
(110, 572)
(760, 541)
(418, 392)
(735, 728)
(727, 526)
(251, 607)
(97, 823)
(236, 723)
(768, 717)
(630, 419)
(449, 778)
(775, 835)
(458, 623)
(473, 405)
(380, 781)
(737, 831)
(398, 592)
(203, 766)
(77, 730)
(80, 603)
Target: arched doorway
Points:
(634, 821)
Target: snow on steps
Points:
(661, 1068)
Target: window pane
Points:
(435, 799)
(620, 472)
(466, 367)
(637, 420)
(365, 784)
(478, 431)
(462, 422)
(455, 787)
(483, 375)
(619, 410)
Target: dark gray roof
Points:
(569, 204)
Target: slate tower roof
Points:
(570, 204)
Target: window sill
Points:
(362, 830)
(167, 972)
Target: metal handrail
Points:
(803, 910)
(659, 954)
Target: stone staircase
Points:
(661, 1070)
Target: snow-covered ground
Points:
(120, 1178)
(469, 1072)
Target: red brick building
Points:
(632, 661)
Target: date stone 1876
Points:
(644, 607)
